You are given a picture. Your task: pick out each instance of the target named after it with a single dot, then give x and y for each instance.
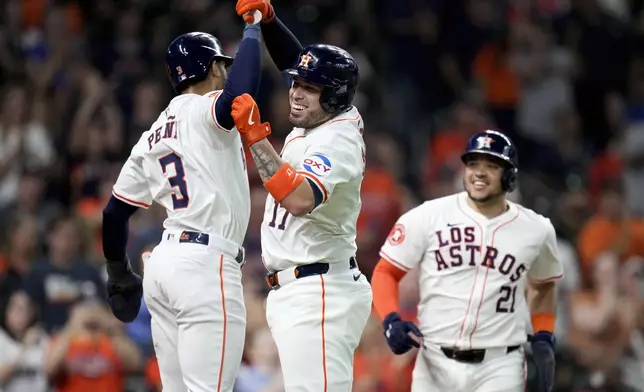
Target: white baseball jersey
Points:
(332, 156)
(193, 167)
(472, 269)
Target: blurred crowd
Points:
(80, 81)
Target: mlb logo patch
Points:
(317, 164)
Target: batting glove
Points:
(245, 9)
(543, 351)
(247, 119)
(397, 334)
(124, 290)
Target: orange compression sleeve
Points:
(384, 283)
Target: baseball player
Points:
(476, 253)
(320, 301)
(191, 162)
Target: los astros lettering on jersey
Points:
(332, 157)
(193, 167)
(472, 269)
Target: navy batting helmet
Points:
(189, 57)
(498, 145)
(330, 67)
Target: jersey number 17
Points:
(284, 216)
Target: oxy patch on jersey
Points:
(317, 164)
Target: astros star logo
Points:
(484, 142)
(306, 59)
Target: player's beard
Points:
(310, 119)
(490, 198)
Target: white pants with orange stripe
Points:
(317, 323)
(499, 372)
(194, 294)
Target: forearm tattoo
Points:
(267, 161)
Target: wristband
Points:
(283, 182)
(543, 322)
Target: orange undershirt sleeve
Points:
(384, 283)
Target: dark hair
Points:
(9, 229)
(35, 313)
(613, 185)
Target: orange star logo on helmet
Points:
(306, 59)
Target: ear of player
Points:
(397, 334)
(245, 9)
(247, 119)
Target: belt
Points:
(301, 271)
(195, 237)
(471, 356)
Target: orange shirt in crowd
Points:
(34, 12)
(500, 84)
(381, 207)
(604, 168)
(385, 371)
(4, 264)
(152, 375)
(91, 364)
(599, 235)
(446, 146)
(382, 370)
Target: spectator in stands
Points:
(22, 348)
(23, 142)
(381, 202)
(92, 352)
(64, 278)
(263, 372)
(632, 144)
(602, 320)
(16, 257)
(612, 230)
(376, 368)
(152, 375)
(30, 201)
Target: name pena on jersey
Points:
(456, 248)
(169, 132)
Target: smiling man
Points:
(320, 301)
(476, 252)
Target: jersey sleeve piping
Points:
(546, 280)
(289, 141)
(356, 117)
(212, 111)
(130, 201)
(325, 194)
(393, 262)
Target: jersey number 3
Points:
(180, 198)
